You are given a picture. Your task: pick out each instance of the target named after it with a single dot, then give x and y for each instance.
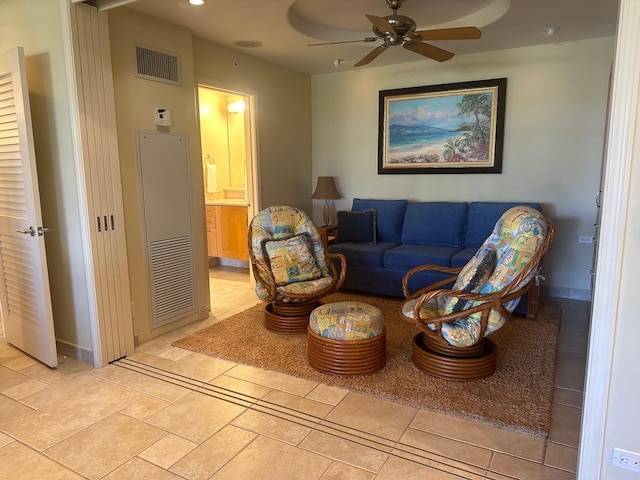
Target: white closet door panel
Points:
(102, 174)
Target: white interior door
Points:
(25, 299)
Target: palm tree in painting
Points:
(477, 138)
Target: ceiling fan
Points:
(400, 30)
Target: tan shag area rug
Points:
(517, 397)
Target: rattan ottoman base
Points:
(454, 368)
(347, 357)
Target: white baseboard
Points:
(67, 349)
(203, 312)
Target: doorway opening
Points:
(228, 144)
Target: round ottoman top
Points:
(346, 321)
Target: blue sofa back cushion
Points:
(483, 217)
(435, 223)
(389, 216)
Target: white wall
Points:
(555, 119)
(623, 425)
(36, 25)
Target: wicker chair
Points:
(454, 322)
(292, 270)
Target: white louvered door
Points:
(27, 316)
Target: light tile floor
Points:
(167, 413)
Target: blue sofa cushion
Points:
(389, 216)
(483, 217)
(369, 255)
(407, 256)
(357, 227)
(435, 223)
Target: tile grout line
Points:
(367, 440)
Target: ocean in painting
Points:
(407, 141)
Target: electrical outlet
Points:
(627, 460)
(585, 239)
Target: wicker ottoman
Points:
(346, 338)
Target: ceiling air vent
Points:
(158, 66)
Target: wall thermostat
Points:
(163, 117)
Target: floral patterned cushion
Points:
(515, 238)
(346, 321)
(292, 260)
(281, 223)
(307, 287)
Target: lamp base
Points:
(326, 213)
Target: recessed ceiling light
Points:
(551, 31)
(247, 43)
(196, 2)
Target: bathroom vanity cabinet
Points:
(227, 231)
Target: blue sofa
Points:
(407, 234)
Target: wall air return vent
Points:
(172, 277)
(157, 66)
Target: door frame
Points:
(252, 163)
(621, 148)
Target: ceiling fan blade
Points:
(367, 39)
(428, 51)
(371, 55)
(382, 24)
(458, 33)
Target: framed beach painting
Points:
(451, 128)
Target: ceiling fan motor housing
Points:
(402, 25)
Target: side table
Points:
(328, 234)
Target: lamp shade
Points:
(326, 189)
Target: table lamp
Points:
(326, 190)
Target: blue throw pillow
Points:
(356, 227)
